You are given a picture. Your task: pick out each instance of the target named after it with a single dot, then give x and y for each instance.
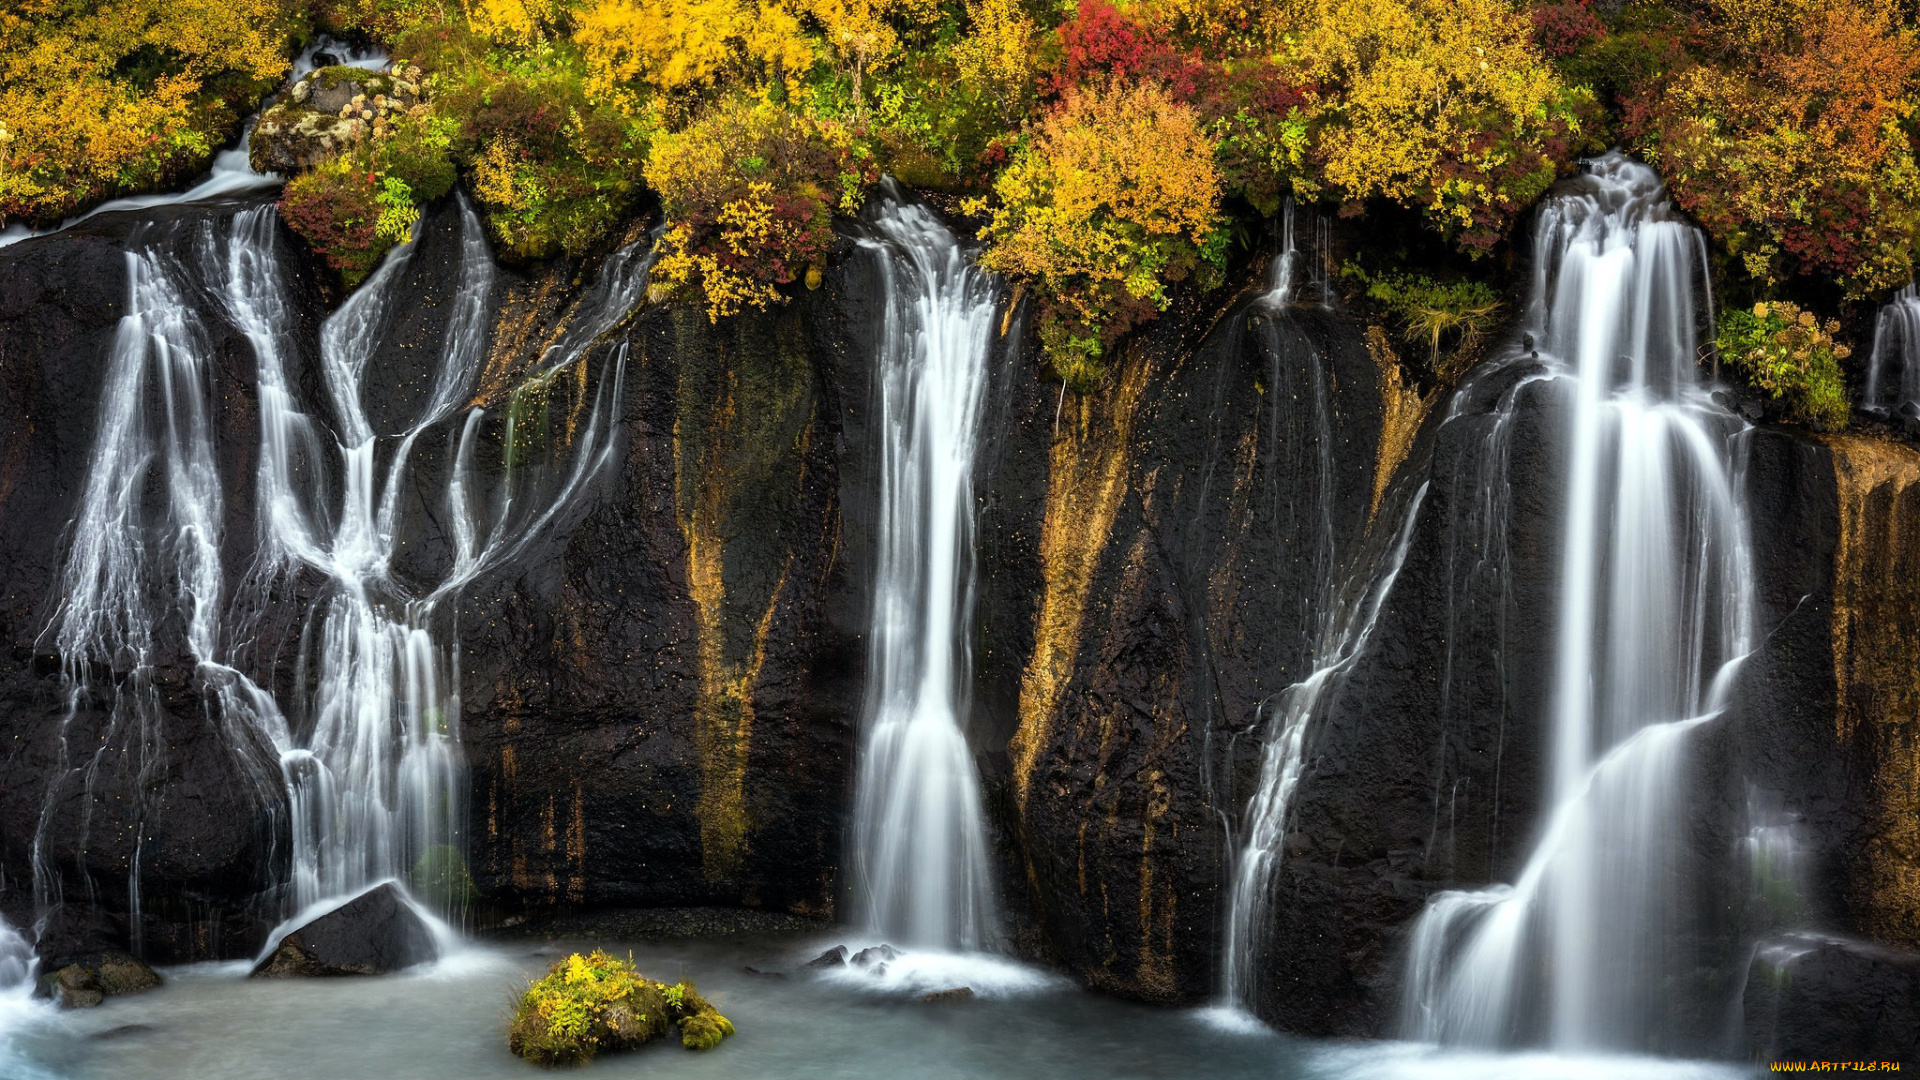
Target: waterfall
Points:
(920, 850)
(138, 567)
(1654, 613)
(364, 737)
(1335, 627)
(1893, 371)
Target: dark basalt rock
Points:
(1812, 997)
(834, 957)
(375, 933)
(878, 954)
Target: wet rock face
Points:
(375, 933)
(660, 708)
(1817, 998)
(1153, 562)
(173, 791)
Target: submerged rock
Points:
(89, 981)
(1818, 998)
(948, 997)
(375, 933)
(879, 955)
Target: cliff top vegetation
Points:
(1108, 149)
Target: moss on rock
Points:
(587, 1005)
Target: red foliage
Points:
(1103, 42)
(335, 213)
(1562, 29)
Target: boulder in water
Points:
(87, 981)
(878, 955)
(372, 934)
(834, 957)
(948, 997)
(587, 1004)
(1812, 997)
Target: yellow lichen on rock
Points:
(1088, 478)
(1876, 635)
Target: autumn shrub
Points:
(555, 168)
(1792, 356)
(1111, 198)
(1442, 106)
(749, 192)
(587, 1005)
(336, 207)
(127, 95)
(1792, 143)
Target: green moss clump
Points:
(1432, 312)
(587, 1005)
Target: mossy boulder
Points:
(588, 1005)
(333, 109)
(88, 981)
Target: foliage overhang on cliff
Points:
(1112, 151)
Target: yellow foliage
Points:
(674, 45)
(1113, 196)
(999, 49)
(124, 96)
(1409, 86)
(1794, 152)
(516, 22)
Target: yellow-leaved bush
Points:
(749, 191)
(1112, 197)
(98, 100)
(1444, 106)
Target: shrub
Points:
(749, 192)
(1111, 198)
(554, 168)
(1791, 146)
(126, 97)
(1431, 312)
(585, 1005)
(336, 208)
(1442, 106)
(1791, 355)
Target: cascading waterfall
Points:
(921, 863)
(1654, 613)
(1893, 371)
(368, 745)
(1336, 626)
(138, 566)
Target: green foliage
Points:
(1431, 312)
(586, 1005)
(1793, 357)
(397, 212)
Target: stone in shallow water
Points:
(948, 997)
(88, 981)
(879, 954)
(834, 957)
(1815, 997)
(372, 934)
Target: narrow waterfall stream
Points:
(1654, 614)
(367, 745)
(1893, 371)
(921, 877)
